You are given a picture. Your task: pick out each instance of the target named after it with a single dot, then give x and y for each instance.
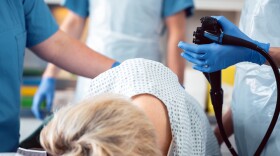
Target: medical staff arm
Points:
(74, 26)
(274, 52)
(228, 126)
(176, 27)
(72, 55)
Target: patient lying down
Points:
(136, 109)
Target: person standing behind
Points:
(122, 30)
(254, 95)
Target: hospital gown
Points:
(191, 131)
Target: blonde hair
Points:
(107, 125)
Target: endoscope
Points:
(209, 32)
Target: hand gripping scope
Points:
(209, 32)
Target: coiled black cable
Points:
(240, 42)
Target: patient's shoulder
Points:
(157, 113)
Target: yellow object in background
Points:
(228, 75)
(28, 90)
(227, 84)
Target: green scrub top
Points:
(24, 23)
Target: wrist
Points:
(49, 75)
(274, 53)
(49, 80)
(256, 56)
(264, 46)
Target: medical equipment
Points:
(210, 32)
(22, 152)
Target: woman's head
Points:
(107, 125)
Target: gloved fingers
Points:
(49, 99)
(200, 56)
(195, 59)
(227, 25)
(204, 68)
(37, 100)
(191, 47)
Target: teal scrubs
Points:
(169, 7)
(23, 23)
(125, 29)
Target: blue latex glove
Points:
(115, 64)
(45, 93)
(213, 57)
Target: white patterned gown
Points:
(191, 131)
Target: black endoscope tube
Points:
(217, 94)
(240, 42)
(217, 101)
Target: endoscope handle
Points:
(232, 40)
(217, 100)
(216, 91)
(209, 32)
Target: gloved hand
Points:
(231, 29)
(115, 64)
(213, 57)
(45, 92)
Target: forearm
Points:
(274, 52)
(174, 60)
(73, 25)
(176, 27)
(73, 56)
(228, 126)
